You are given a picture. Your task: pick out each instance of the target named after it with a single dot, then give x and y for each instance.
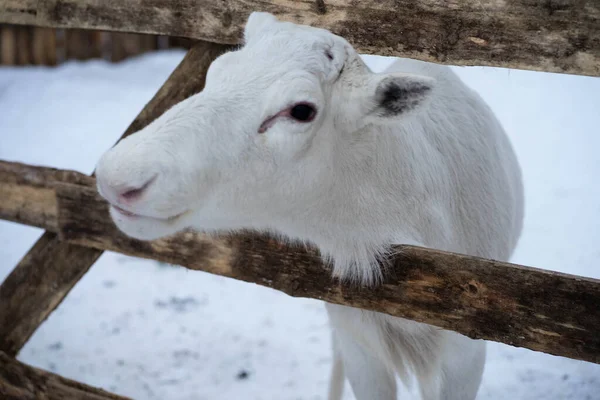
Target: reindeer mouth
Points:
(124, 212)
(133, 216)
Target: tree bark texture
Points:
(543, 35)
(52, 267)
(19, 381)
(484, 299)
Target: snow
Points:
(152, 331)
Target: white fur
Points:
(431, 167)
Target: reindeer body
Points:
(449, 180)
(294, 135)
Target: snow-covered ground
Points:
(152, 331)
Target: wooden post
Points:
(51, 268)
(149, 43)
(124, 45)
(8, 45)
(24, 45)
(44, 46)
(81, 45)
(179, 42)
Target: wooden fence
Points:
(543, 35)
(520, 306)
(32, 45)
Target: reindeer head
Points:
(280, 126)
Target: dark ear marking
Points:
(398, 95)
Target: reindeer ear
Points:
(395, 94)
(257, 21)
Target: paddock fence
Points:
(517, 305)
(32, 45)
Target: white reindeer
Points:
(294, 134)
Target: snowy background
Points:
(154, 331)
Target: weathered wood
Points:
(125, 45)
(81, 45)
(44, 46)
(179, 42)
(525, 307)
(521, 306)
(19, 381)
(8, 45)
(28, 193)
(544, 35)
(51, 268)
(23, 45)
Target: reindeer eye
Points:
(303, 112)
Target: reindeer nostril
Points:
(133, 194)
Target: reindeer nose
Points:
(118, 192)
(126, 173)
(130, 195)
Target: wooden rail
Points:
(484, 299)
(21, 382)
(543, 35)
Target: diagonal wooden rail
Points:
(542, 35)
(19, 381)
(52, 267)
(484, 299)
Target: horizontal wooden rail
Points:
(19, 381)
(543, 35)
(521, 306)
